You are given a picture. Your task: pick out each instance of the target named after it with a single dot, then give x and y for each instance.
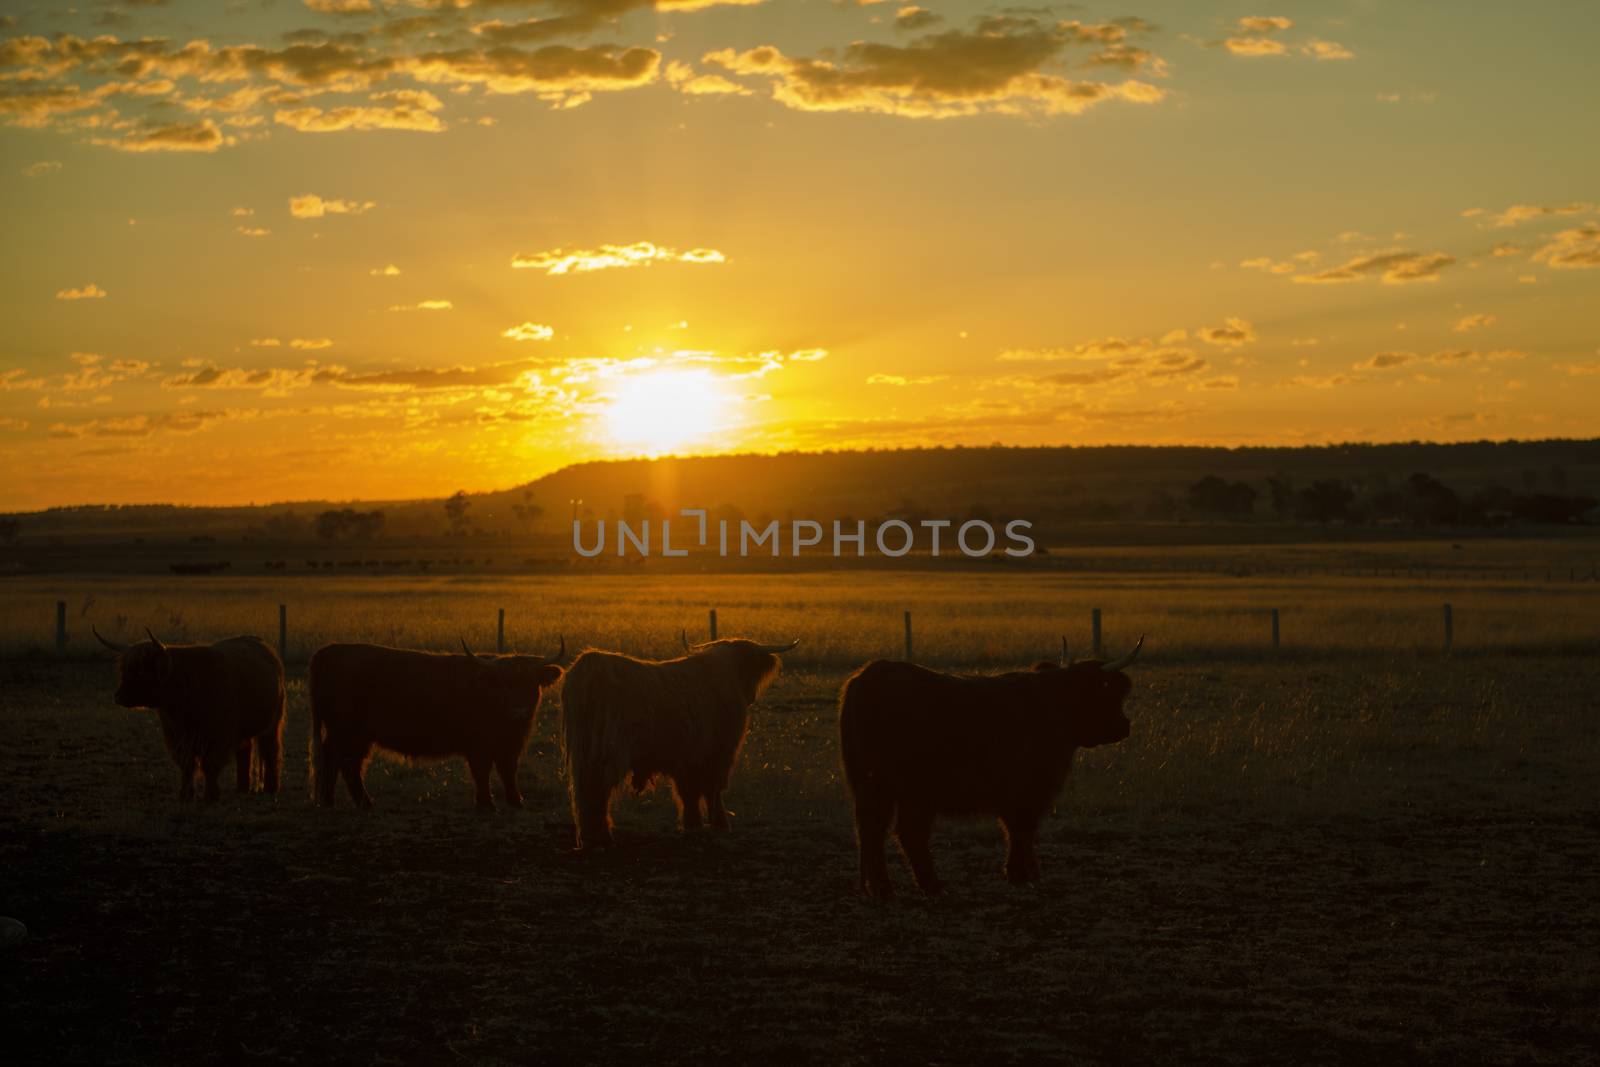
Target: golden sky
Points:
(390, 248)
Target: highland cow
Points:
(626, 719)
(423, 705)
(917, 744)
(213, 702)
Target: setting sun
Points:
(656, 413)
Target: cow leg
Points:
(211, 765)
(716, 814)
(913, 827)
(1022, 861)
(186, 780)
(327, 771)
(270, 745)
(872, 826)
(506, 767)
(687, 794)
(479, 766)
(241, 766)
(351, 767)
(591, 809)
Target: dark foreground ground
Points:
(1348, 861)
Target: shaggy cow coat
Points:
(213, 702)
(423, 705)
(626, 719)
(917, 744)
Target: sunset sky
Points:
(378, 249)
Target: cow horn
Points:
(1118, 664)
(779, 648)
(108, 644)
(561, 653)
(470, 654)
(1065, 659)
(154, 640)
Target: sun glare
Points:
(657, 413)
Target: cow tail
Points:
(851, 743)
(314, 747)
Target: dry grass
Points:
(842, 618)
(1350, 858)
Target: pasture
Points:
(1357, 849)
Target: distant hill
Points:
(1470, 483)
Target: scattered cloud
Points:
(202, 136)
(609, 257)
(1479, 321)
(425, 305)
(1517, 214)
(1396, 268)
(312, 206)
(528, 331)
(311, 343)
(399, 109)
(253, 231)
(43, 167)
(387, 271)
(996, 68)
(1326, 50)
(1231, 334)
(898, 379)
(1577, 249)
(87, 292)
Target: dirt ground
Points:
(1347, 861)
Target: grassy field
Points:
(1357, 849)
(842, 618)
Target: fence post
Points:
(908, 636)
(713, 624)
(1274, 629)
(1449, 628)
(500, 632)
(1094, 619)
(61, 629)
(283, 632)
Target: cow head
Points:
(519, 681)
(753, 666)
(1093, 692)
(141, 669)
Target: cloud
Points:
(268, 381)
(202, 136)
(311, 343)
(1326, 50)
(88, 292)
(558, 74)
(44, 166)
(1443, 358)
(1474, 322)
(610, 257)
(1396, 268)
(403, 109)
(911, 17)
(340, 7)
(682, 77)
(265, 342)
(253, 231)
(1577, 249)
(1263, 24)
(1255, 46)
(897, 379)
(1231, 334)
(528, 331)
(387, 271)
(1517, 214)
(425, 305)
(997, 68)
(312, 206)
(142, 425)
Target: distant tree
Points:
(455, 511)
(1213, 496)
(527, 510)
(9, 530)
(284, 526)
(1530, 478)
(1161, 506)
(980, 512)
(1325, 500)
(1558, 477)
(347, 522)
(1281, 491)
(1436, 502)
